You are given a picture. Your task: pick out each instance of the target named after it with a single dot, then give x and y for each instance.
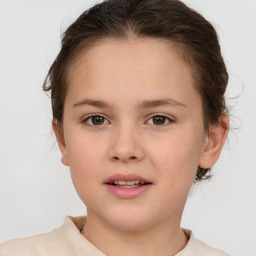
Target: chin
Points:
(129, 220)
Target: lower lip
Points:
(128, 193)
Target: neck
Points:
(163, 238)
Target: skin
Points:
(129, 140)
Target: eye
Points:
(98, 120)
(160, 120)
(95, 120)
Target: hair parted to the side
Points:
(171, 20)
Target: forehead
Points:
(146, 65)
(139, 53)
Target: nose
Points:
(126, 145)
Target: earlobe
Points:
(61, 142)
(214, 143)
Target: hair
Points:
(170, 20)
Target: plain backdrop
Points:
(36, 191)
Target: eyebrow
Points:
(142, 105)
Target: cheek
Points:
(84, 150)
(85, 156)
(177, 157)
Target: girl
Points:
(139, 114)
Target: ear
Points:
(61, 142)
(214, 142)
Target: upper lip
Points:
(125, 177)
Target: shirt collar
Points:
(71, 234)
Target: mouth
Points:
(127, 181)
(127, 186)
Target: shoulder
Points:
(209, 250)
(65, 241)
(39, 245)
(57, 242)
(199, 248)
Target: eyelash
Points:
(85, 120)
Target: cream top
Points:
(68, 241)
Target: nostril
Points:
(132, 157)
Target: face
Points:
(133, 132)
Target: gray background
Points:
(35, 188)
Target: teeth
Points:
(128, 184)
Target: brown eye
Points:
(95, 120)
(160, 120)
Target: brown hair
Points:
(171, 20)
